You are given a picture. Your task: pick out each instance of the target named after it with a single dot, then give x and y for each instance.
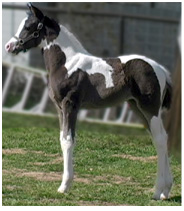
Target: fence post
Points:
(25, 95)
(7, 83)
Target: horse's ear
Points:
(35, 11)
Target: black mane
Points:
(52, 25)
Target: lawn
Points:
(114, 165)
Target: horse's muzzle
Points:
(11, 46)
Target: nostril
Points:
(7, 46)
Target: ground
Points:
(114, 165)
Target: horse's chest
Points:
(58, 88)
(61, 86)
(58, 78)
(53, 96)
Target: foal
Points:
(79, 80)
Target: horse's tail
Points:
(168, 92)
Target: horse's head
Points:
(30, 33)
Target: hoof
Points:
(159, 197)
(163, 197)
(62, 189)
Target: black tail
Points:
(168, 96)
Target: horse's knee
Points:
(66, 141)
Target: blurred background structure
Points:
(105, 30)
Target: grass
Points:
(114, 165)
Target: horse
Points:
(78, 79)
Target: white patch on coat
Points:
(160, 71)
(43, 44)
(47, 46)
(91, 65)
(78, 58)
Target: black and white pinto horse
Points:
(78, 79)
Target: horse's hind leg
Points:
(147, 88)
(156, 128)
(133, 105)
(164, 177)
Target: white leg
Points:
(164, 177)
(67, 146)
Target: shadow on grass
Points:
(175, 199)
(111, 129)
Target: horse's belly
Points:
(108, 100)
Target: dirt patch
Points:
(11, 187)
(119, 179)
(13, 151)
(55, 161)
(113, 179)
(82, 180)
(57, 176)
(23, 151)
(42, 176)
(101, 180)
(98, 203)
(43, 153)
(142, 159)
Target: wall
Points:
(112, 36)
(109, 36)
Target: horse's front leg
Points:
(67, 143)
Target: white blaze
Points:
(20, 27)
(18, 31)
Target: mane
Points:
(52, 25)
(76, 44)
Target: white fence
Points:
(15, 74)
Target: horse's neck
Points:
(63, 50)
(69, 44)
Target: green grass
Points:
(114, 165)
